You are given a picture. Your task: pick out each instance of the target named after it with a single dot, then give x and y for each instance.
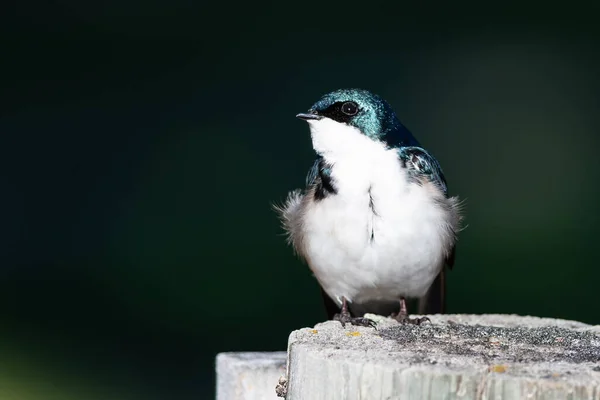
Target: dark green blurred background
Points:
(142, 144)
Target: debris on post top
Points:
(455, 357)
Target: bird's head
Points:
(346, 119)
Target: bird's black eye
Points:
(350, 108)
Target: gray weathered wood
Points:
(249, 376)
(496, 357)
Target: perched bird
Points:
(375, 223)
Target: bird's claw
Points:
(345, 318)
(404, 319)
(360, 321)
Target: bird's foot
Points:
(345, 318)
(405, 319)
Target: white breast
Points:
(380, 236)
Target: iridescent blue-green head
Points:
(365, 111)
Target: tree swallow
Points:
(375, 223)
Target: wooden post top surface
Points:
(454, 356)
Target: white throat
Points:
(334, 140)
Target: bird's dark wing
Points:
(319, 178)
(422, 165)
(313, 173)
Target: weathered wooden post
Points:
(496, 357)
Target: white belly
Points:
(394, 249)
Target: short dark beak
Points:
(308, 116)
